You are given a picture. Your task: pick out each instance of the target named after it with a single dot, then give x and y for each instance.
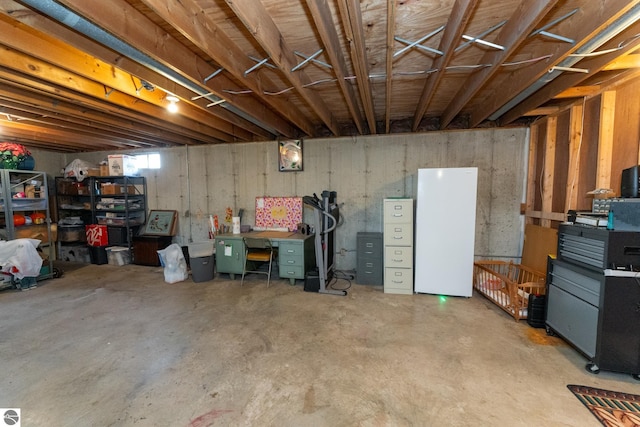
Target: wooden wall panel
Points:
(588, 153)
(587, 146)
(561, 170)
(626, 132)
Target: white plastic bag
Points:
(20, 258)
(78, 169)
(175, 266)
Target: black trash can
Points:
(98, 255)
(202, 268)
(536, 311)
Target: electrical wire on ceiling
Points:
(620, 46)
(399, 73)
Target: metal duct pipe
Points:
(71, 19)
(619, 25)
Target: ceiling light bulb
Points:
(172, 107)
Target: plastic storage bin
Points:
(118, 255)
(201, 249)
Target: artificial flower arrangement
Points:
(11, 154)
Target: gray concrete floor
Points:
(116, 346)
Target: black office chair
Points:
(257, 253)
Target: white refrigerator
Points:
(445, 231)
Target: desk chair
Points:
(257, 252)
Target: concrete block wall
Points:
(201, 180)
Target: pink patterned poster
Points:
(278, 212)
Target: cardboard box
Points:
(104, 170)
(122, 165)
(108, 189)
(93, 172)
(67, 187)
(36, 231)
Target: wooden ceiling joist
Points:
(72, 66)
(520, 24)
(352, 23)
(588, 22)
(258, 21)
(327, 29)
(460, 15)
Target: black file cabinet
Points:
(369, 270)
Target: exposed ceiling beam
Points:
(565, 80)
(624, 62)
(327, 29)
(89, 93)
(352, 24)
(579, 92)
(188, 18)
(262, 27)
(193, 64)
(590, 20)
(77, 62)
(19, 96)
(458, 19)
(391, 29)
(512, 34)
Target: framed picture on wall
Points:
(161, 223)
(290, 155)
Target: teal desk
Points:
(296, 254)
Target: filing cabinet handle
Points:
(396, 260)
(290, 261)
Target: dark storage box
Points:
(145, 249)
(98, 254)
(117, 235)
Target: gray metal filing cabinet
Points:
(369, 264)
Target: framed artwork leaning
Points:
(161, 223)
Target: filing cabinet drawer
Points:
(369, 272)
(398, 234)
(369, 245)
(398, 211)
(398, 256)
(398, 280)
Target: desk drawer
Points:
(290, 260)
(291, 271)
(291, 249)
